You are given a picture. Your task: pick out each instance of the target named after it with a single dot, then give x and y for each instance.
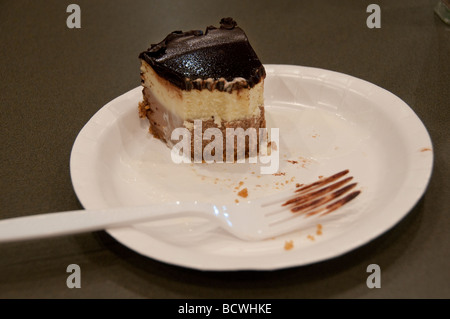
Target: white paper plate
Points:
(328, 122)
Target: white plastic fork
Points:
(251, 220)
(248, 220)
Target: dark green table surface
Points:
(53, 79)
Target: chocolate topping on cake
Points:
(220, 58)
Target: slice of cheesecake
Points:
(212, 78)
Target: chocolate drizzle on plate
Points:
(323, 196)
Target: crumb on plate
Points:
(243, 193)
(288, 245)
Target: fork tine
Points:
(316, 202)
(285, 213)
(306, 197)
(285, 219)
(322, 211)
(322, 182)
(280, 198)
(333, 206)
(309, 188)
(313, 207)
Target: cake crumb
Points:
(240, 184)
(243, 193)
(288, 245)
(310, 237)
(279, 174)
(305, 160)
(319, 230)
(298, 185)
(320, 176)
(425, 149)
(293, 162)
(236, 201)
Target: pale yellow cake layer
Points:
(203, 104)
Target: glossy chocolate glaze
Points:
(221, 54)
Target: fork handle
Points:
(78, 221)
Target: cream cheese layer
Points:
(204, 104)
